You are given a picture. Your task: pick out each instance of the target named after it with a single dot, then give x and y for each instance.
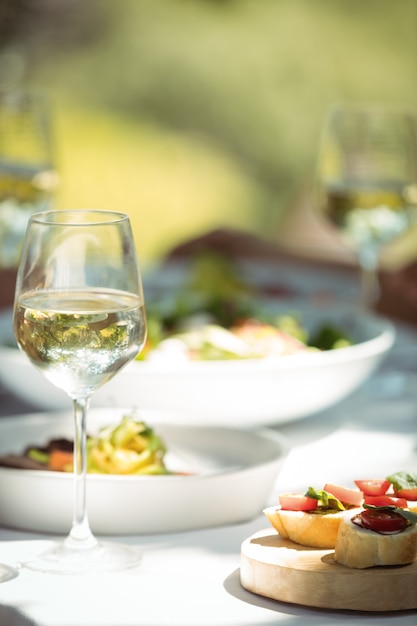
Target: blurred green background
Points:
(194, 114)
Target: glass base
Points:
(103, 558)
(7, 573)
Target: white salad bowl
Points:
(236, 393)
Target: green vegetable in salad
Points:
(330, 337)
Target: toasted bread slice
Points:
(360, 548)
(315, 530)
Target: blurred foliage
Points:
(194, 113)
(170, 184)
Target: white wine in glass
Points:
(79, 316)
(367, 181)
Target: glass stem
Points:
(80, 536)
(368, 261)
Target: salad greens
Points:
(217, 315)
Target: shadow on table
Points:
(10, 616)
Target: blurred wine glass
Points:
(27, 175)
(367, 181)
(27, 180)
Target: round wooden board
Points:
(282, 570)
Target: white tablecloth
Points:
(193, 577)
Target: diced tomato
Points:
(408, 494)
(386, 501)
(373, 487)
(345, 495)
(60, 461)
(297, 502)
(383, 521)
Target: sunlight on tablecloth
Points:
(344, 456)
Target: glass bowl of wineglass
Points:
(27, 175)
(79, 316)
(366, 181)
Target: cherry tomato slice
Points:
(382, 521)
(408, 494)
(386, 501)
(373, 487)
(297, 502)
(345, 495)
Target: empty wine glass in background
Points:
(79, 316)
(27, 180)
(366, 184)
(27, 175)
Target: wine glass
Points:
(79, 316)
(367, 181)
(27, 176)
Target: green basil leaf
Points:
(325, 499)
(403, 480)
(409, 515)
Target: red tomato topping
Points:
(373, 487)
(297, 502)
(345, 495)
(381, 521)
(408, 494)
(386, 501)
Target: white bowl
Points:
(235, 475)
(247, 392)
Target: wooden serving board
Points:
(282, 570)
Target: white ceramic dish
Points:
(237, 393)
(235, 474)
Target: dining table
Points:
(193, 577)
